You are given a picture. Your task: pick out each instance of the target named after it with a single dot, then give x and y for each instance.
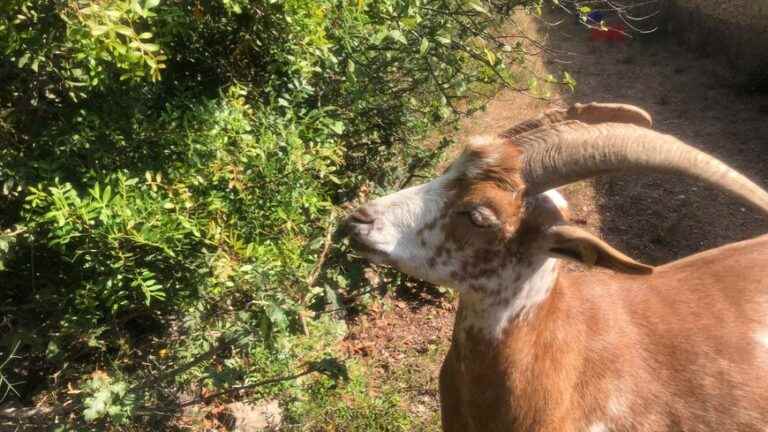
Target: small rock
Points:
(264, 416)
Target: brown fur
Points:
(676, 349)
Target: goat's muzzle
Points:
(356, 225)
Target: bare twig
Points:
(14, 233)
(235, 389)
(208, 355)
(315, 273)
(14, 412)
(324, 254)
(22, 413)
(3, 379)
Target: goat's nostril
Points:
(361, 216)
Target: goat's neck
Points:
(515, 297)
(493, 360)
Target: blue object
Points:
(595, 17)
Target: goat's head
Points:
(491, 211)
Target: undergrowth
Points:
(172, 174)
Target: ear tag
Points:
(588, 255)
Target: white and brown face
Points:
(472, 228)
(455, 230)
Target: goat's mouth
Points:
(363, 247)
(356, 229)
(367, 251)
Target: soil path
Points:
(654, 219)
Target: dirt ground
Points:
(655, 219)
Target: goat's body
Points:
(682, 349)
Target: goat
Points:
(679, 347)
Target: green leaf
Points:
(98, 30)
(276, 315)
(336, 126)
(377, 37)
(107, 195)
(331, 297)
(478, 7)
(424, 46)
(490, 55)
(316, 244)
(23, 60)
(149, 4)
(137, 7)
(398, 36)
(150, 47)
(124, 30)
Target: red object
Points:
(611, 34)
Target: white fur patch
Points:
(397, 220)
(483, 140)
(492, 315)
(598, 427)
(534, 290)
(399, 215)
(491, 157)
(617, 405)
(762, 337)
(557, 198)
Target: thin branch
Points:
(21, 413)
(440, 88)
(3, 380)
(25, 413)
(14, 233)
(312, 279)
(235, 389)
(208, 355)
(324, 254)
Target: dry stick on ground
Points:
(208, 355)
(234, 389)
(31, 413)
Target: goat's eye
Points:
(482, 217)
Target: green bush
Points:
(172, 172)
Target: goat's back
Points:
(685, 348)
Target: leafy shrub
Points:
(172, 173)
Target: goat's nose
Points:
(358, 221)
(361, 216)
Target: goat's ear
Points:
(576, 244)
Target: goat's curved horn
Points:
(571, 150)
(591, 113)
